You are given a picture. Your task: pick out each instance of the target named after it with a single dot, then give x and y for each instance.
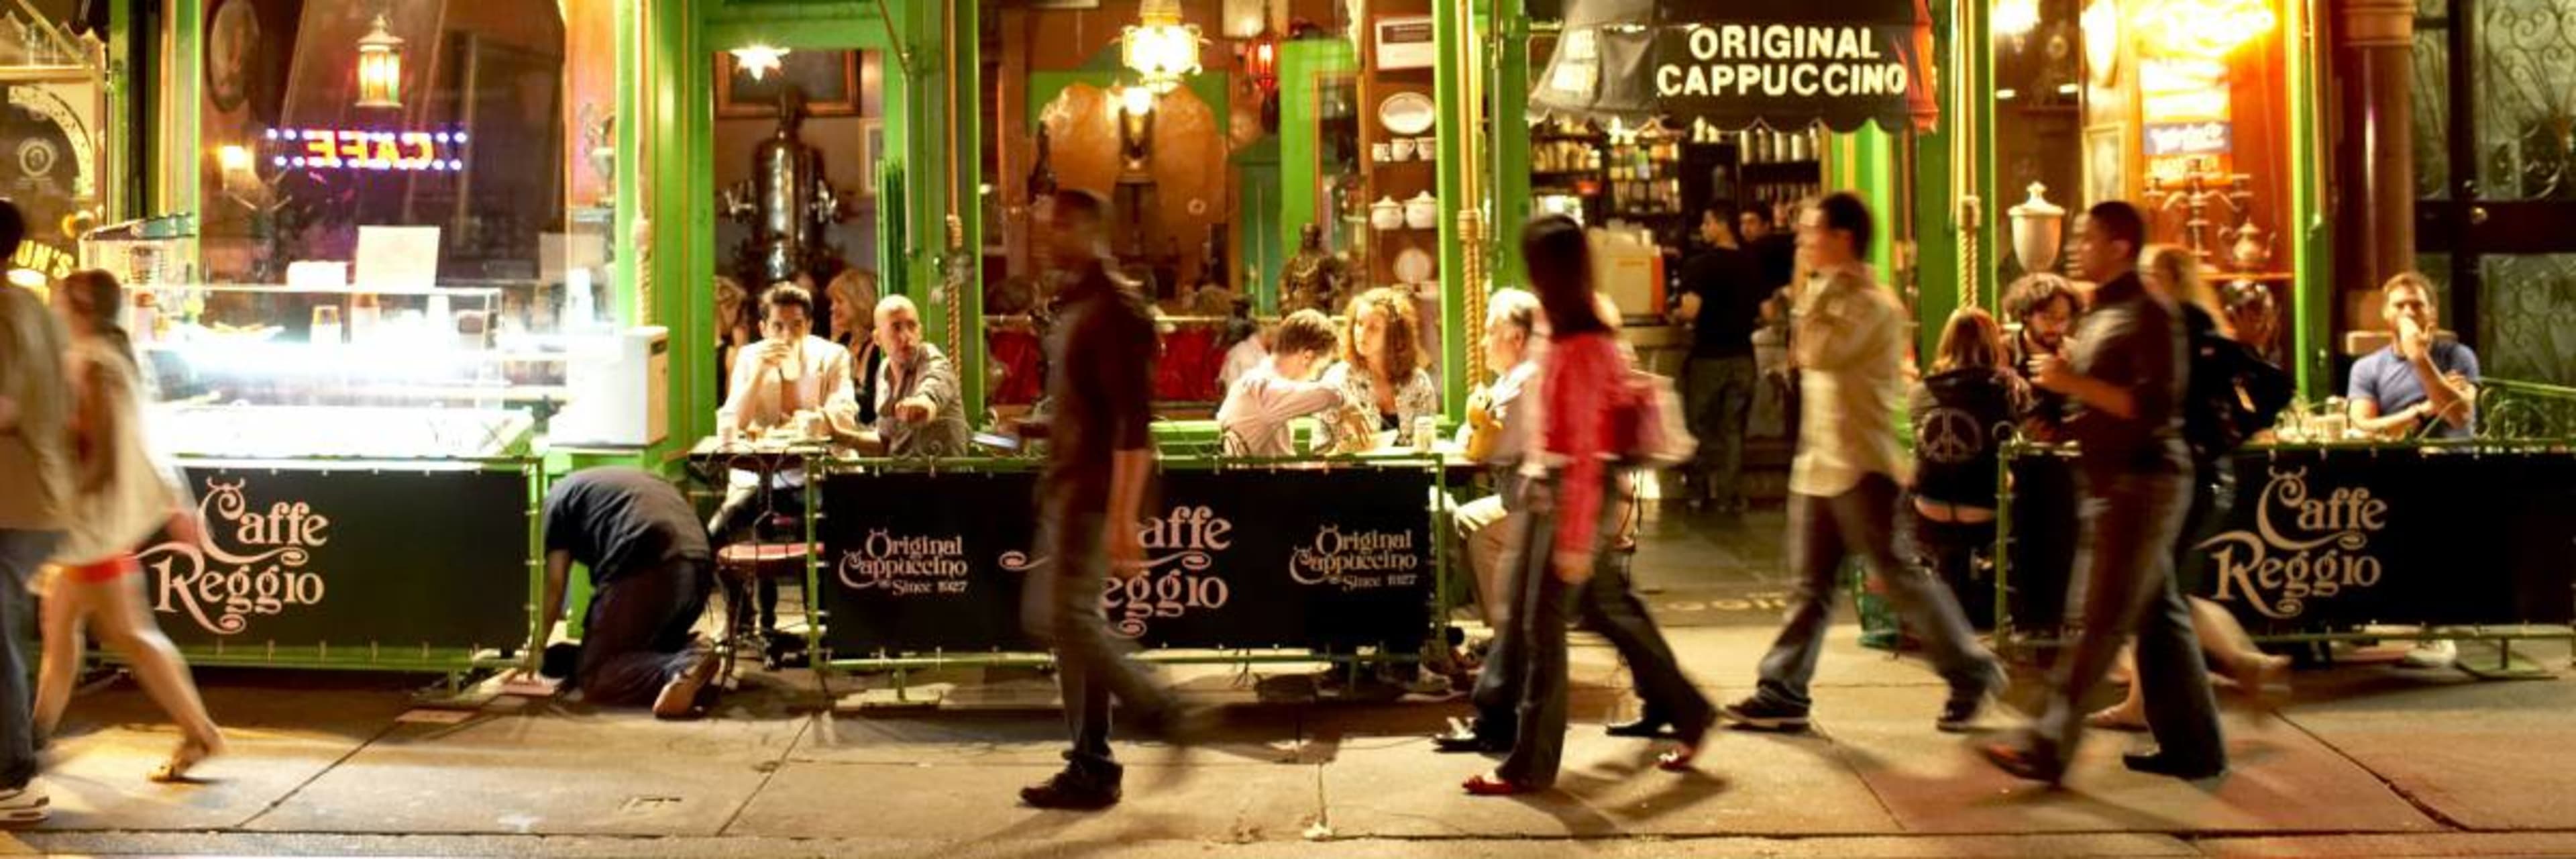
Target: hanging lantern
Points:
(1261, 62)
(758, 60)
(380, 68)
(1158, 47)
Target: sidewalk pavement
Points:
(2369, 760)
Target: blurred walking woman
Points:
(120, 498)
(1569, 520)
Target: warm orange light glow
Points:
(2204, 28)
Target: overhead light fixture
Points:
(758, 60)
(1138, 100)
(2204, 28)
(1159, 48)
(2015, 18)
(380, 67)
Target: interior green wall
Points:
(1304, 65)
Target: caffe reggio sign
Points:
(1839, 63)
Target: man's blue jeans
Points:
(20, 554)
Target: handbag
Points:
(1646, 422)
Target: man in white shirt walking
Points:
(1844, 485)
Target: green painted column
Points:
(179, 143)
(2312, 284)
(1972, 47)
(681, 265)
(627, 181)
(1936, 240)
(1509, 140)
(965, 79)
(1451, 39)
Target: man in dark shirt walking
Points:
(650, 572)
(1100, 454)
(1722, 302)
(2126, 376)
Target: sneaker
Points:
(1070, 792)
(23, 806)
(680, 696)
(2432, 654)
(1762, 715)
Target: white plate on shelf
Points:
(1407, 113)
(1414, 265)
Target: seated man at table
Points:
(919, 412)
(2422, 385)
(1254, 418)
(650, 572)
(1494, 434)
(788, 373)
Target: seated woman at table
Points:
(1381, 376)
(853, 301)
(1254, 418)
(790, 372)
(1962, 413)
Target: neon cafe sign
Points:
(374, 151)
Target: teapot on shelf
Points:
(2252, 249)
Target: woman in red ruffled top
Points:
(1582, 385)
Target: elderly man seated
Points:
(919, 410)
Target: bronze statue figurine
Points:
(1315, 278)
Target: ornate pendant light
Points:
(1159, 48)
(380, 68)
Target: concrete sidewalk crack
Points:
(784, 752)
(2426, 808)
(291, 793)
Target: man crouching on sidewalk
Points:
(650, 573)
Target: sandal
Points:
(2117, 718)
(187, 756)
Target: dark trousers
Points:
(1861, 521)
(1718, 395)
(21, 552)
(741, 517)
(1060, 609)
(1951, 550)
(636, 637)
(2130, 523)
(1608, 605)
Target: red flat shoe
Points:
(1482, 784)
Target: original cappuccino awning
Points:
(1738, 64)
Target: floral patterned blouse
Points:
(1419, 396)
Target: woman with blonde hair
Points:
(1382, 373)
(851, 300)
(2226, 376)
(121, 497)
(1962, 413)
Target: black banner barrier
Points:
(307, 556)
(2339, 537)
(915, 562)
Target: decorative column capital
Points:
(2377, 23)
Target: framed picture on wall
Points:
(871, 149)
(830, 80)
(2106, 164)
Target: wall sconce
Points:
(380, 68)
(758, 60)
